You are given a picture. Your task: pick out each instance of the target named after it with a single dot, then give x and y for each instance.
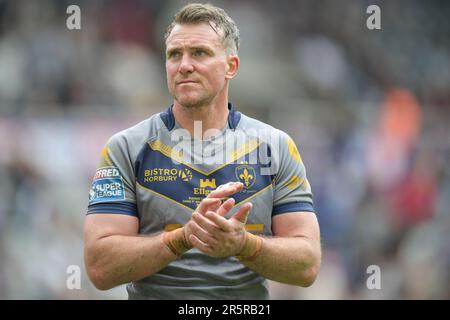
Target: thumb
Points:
(243, 212)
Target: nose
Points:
(186, 65)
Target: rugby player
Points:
(201, 201)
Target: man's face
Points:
(196, 64)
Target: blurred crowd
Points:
(369, 110)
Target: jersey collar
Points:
(169, 119)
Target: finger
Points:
(208, 204)
(221, 222)
(206, 224)
(201, 233)
(243, 212)
(197, 243)
(226, 190)
(225, 207)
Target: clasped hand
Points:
(209, 230)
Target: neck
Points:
(198, 120)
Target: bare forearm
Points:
(118, 259)
(292, 260)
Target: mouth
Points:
(186, 82)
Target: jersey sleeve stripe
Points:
(121, 207)
(292, 207)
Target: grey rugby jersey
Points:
(156, 172)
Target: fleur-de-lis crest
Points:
(247, 177)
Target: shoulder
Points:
(133, 138)
(249, 123)
(263, 130)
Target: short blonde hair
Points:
(217, 18)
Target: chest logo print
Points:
(246, 174)
(208, 183)
(185, 175)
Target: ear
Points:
(232, 66)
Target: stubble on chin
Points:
(191, 103)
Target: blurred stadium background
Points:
(369, 110)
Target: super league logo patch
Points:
(107, 186)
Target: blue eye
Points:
(199, 53)
(173, 54)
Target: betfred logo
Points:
(106, 172)
(107, 186)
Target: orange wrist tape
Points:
(252, 247)
(176, 242)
